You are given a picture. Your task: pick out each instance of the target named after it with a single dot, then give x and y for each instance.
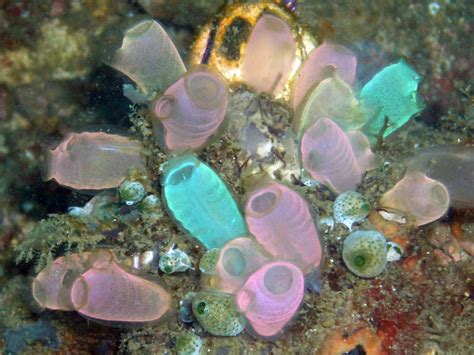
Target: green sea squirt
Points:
(198, 199)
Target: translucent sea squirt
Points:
(191, 110)
(270, 53)
(365, 253)
(424, 200)
(94, 160)
(198, 199)
(281, 221)
(271, 297)
(149, 57)
(334, 157)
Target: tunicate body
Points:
(94, 160)
(271, 297)
(238, 259)
(217, 314)
(191, 110)
(175, 260)
(322, 63)
(188, 344)
(131, 192)
(149, 57)
(332, 98)
(365, 253)
(198, 199)
(350, 207)
(107, 294)
(391, 94)
(208, 262)
(271, 50)
(281, 221)
(334, 157)
(422, 199)
(453, 166)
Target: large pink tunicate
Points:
(108, 294)
(52, 286)
(94, 160)
(281, 221)
(191, 110)
(238, 259)
(424, 200)
(269, 56)
(334, 157)
(319, 65)
(271, 297)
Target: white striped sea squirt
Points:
(334, 157)
(271, 297)
(149, 57)
(424, 200)
(320, 64)
(94, 160)
(198, 199)
(191, 110)
(269, 56)
(108, 294)
(281, 221)
(365, 253)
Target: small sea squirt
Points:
(422, 199)
(198, 199)
(191, 110)
(269, 56)
(94, 160)
(217, 314)
(365, 253)
(149, 57)
(321, 63)
(350, 207)
(107, 294)
(334, 157)
(281, 221)
(271, 297)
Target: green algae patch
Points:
(390, 99)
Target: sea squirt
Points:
(94, 160)
(271, 297)
(365, 253)
(334, 157)
(191, 110)
(198, 199)
(281, 221)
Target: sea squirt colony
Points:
(258, 262)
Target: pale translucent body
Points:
(333, 99)
(281, 221)
(452, 165)
(334, 157)
(421, 198)
(52, 286)
(271, 297)
(269, 56)
(321, 64)
(106, 293)
(94, 160)
(149, 57)
(238, 259)
(191, 110)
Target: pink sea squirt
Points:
(281, 221)
(271, 297)
(191, 110)
(94, 160)
(336, 158)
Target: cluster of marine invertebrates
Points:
(261, 259)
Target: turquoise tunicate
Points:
(365, 253)
(217, 314)
(391, 94)
(198, 199)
